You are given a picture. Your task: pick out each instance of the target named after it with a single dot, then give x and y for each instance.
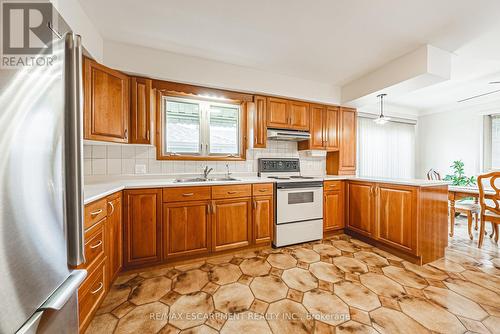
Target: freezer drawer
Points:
(294, 233)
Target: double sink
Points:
(201, 179)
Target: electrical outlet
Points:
(140, 169)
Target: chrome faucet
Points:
(207, 171)
(228, 174)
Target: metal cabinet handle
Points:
(208, 209)
(126, 133)
(254, 205)
(96, 245)
(262, 190)
(147, 135)
(95, 213)
(112, 208)
(98, 289)
(232, 192)
(213, 208)
(188, 194)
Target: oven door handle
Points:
(300, 189)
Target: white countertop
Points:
(407, 182)
(104, 186)
(101, 188)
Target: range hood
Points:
(287, 135)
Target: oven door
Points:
(298, 204)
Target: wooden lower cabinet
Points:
(91, 294)
(263, 217)
(231, 223)
(360, 207)
(397, 216)
(409, 220)
(333, 210)
(114, 237)
(142, 227)
(186, 228)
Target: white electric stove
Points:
(298, 201)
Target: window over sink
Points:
(201, 129)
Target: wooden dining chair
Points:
(489, 199)
(467, 207)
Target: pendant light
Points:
(381, 119)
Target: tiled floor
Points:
(334, 286)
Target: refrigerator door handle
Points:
(55, 302)
(73, 149)
(59, 298)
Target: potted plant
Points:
(458, 177)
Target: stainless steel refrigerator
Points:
(41, 208)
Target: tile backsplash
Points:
(127, 159)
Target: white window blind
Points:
(386, 150)
(495, 141)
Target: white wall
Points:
(80, 23)
(453, 134)
(187, 69)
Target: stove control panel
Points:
(273, 165)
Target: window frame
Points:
(488, 143)
(203, 154)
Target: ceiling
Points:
(326, 41)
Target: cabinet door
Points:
(277, 113)
(331, 128)
(317, 140)
(231, 223)
(106, 106)
(142, 228)
(114, 235)
(299, 115)
(348, 140)
(186, 228)
(259, 123)
(263, 219)
(361, 207)
(140, 111)
(397, 216)
(333, 210)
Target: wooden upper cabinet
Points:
(277, 113)
(287, 114)
(231, 223)
(259, 122)
(298, 115)
(186, 228)
(331, 128)
(347, 140)
(263, 218)
(142, 227)
(114, 232)
(361, 207)
(141, 110)
(317, 130)
(106, 103)
(397, 216)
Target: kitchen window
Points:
(491, 142)
(202, 129)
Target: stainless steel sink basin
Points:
(194, 179)
(200, 179)
(223, 179)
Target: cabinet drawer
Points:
(94, 243)
(90, 294)
(262, 189)
(332, 185)
(94, 212)
(186, 194)
(232, 191)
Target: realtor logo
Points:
(26, 36)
